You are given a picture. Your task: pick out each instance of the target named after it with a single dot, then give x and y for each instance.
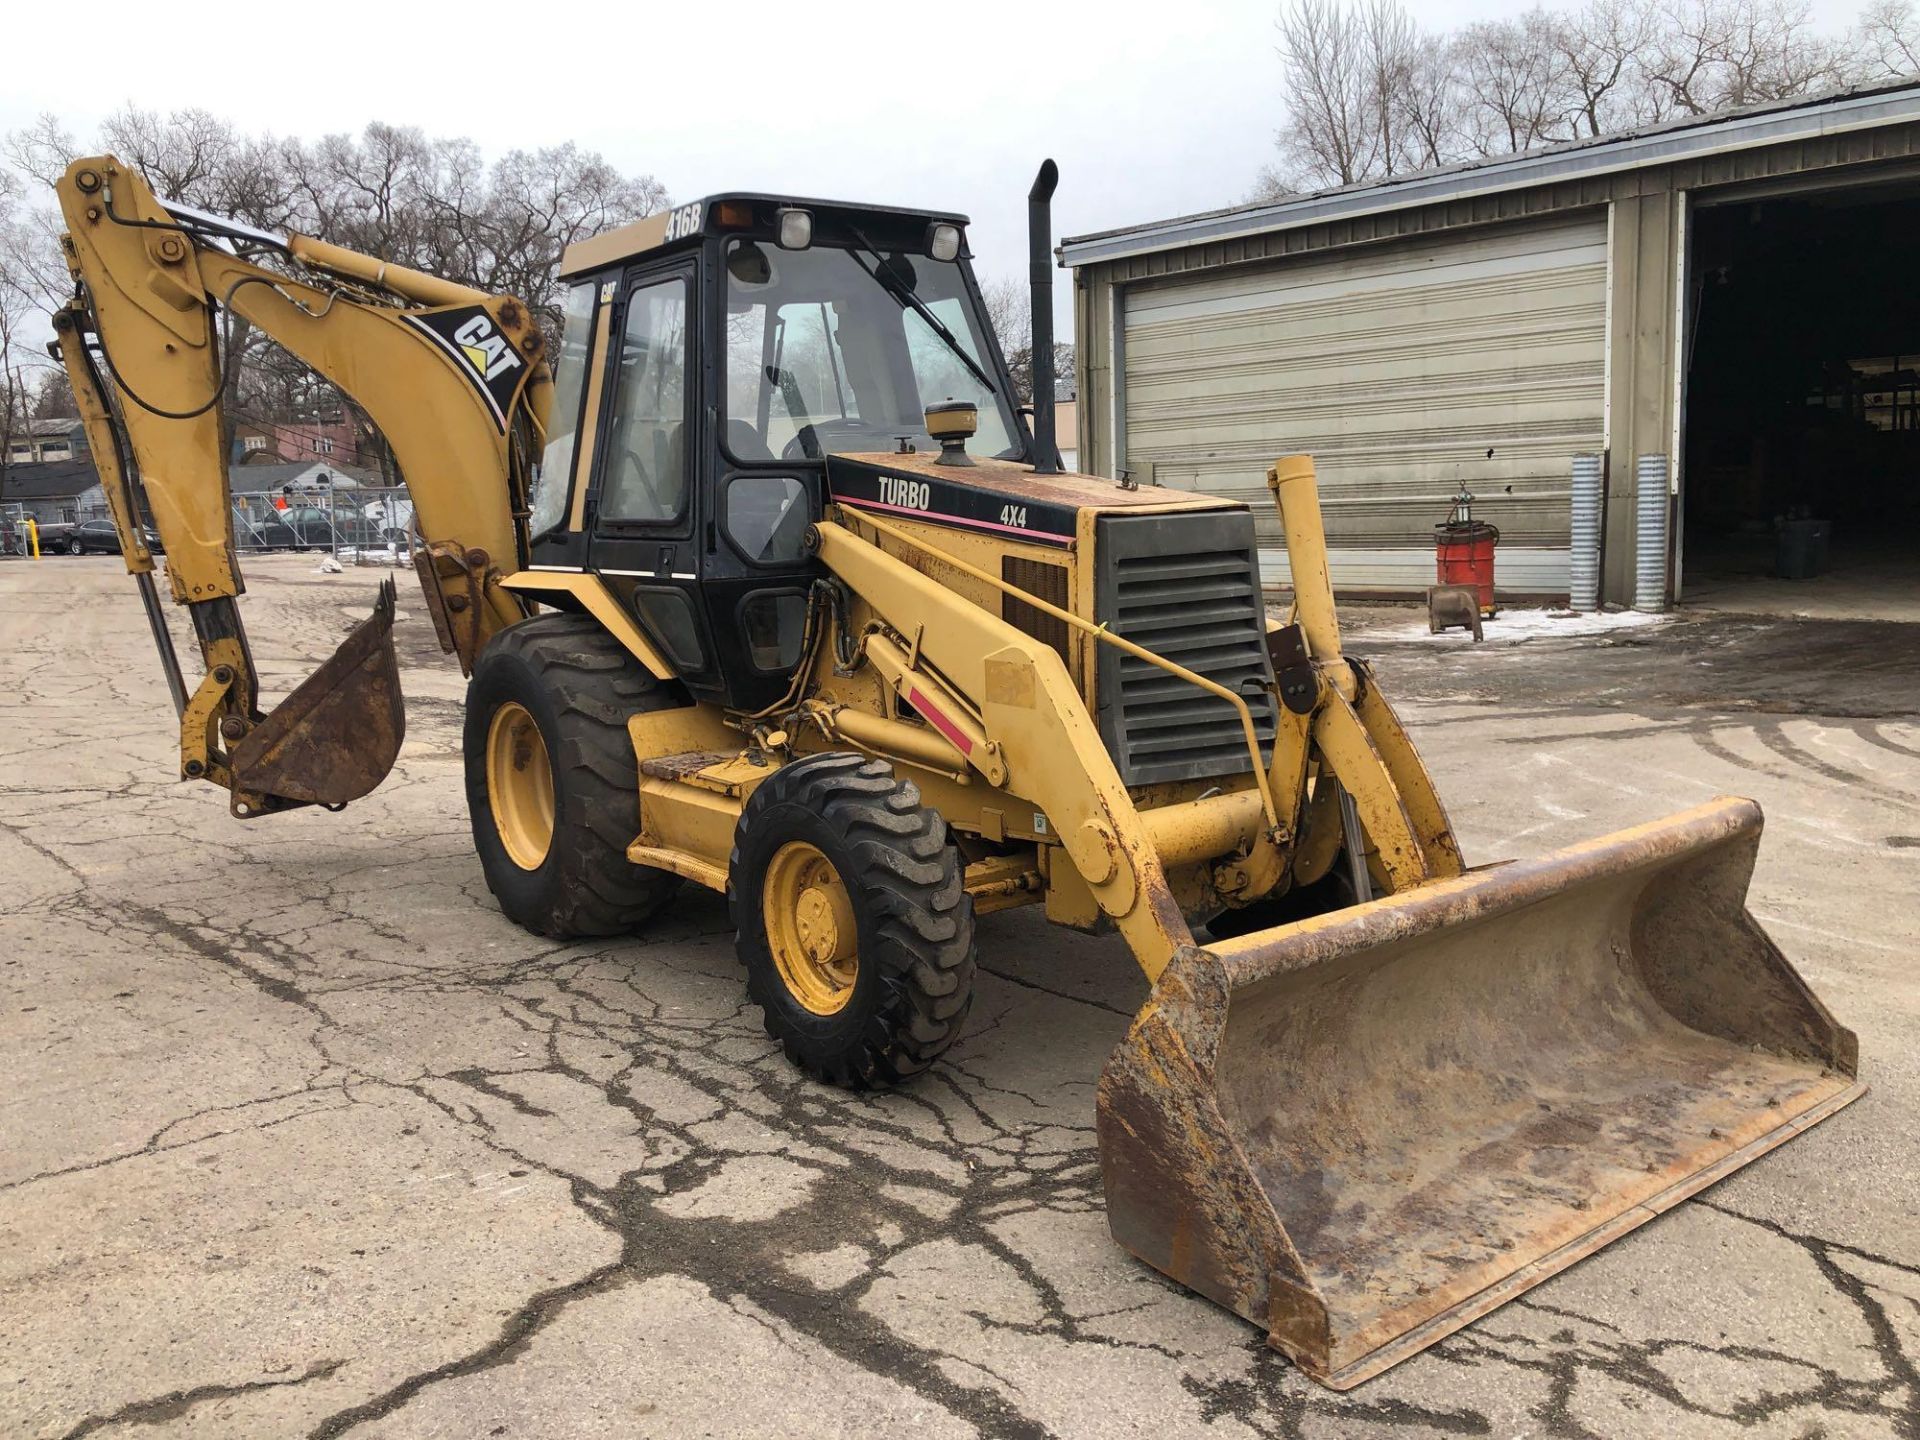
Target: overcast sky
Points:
(1151, 110)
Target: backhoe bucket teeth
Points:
(1366, 1129)
(336, 736)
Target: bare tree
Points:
(22, 362)
(1887, 40)
(1513, 74)
(431, 203)
(1599, 48)
(1332, 136)
(1432, 104)
(1009, 306)
(1709, 55)
(53, 397)
(1389, 43)
(1368, 94)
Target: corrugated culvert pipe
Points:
(1650, 535)
(1589, 490)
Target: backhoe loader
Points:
(764, 583)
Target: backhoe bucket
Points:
(336, 736)
(1366, 1129)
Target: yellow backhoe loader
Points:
(767, 585)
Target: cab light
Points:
(796, 229)
(943, 241)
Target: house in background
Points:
(47, 441)
(53, 492)
(259, 487)
(328, 442)
(254, 444)
(1066, 427)
(332, 441)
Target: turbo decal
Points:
(948, 503)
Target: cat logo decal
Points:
(469, 334)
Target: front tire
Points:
(74, 547)
(852, 918)
(553, 787)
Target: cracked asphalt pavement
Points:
(300, 1137)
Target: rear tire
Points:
(74, 547)
(847, 827)
(548, 704)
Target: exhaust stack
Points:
(1046, 451)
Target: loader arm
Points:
(1032, 717)
(1341, 773)
(455, 379)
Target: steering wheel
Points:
(796, 448)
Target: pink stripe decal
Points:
(943, 519)
(946, 727)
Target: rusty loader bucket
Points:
(1366, 1129)
(337, 735)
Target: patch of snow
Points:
(1510, 626)
(328, 566)
(374, 555)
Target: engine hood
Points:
(994, 497)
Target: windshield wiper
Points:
(897, 288)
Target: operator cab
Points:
(712, 359)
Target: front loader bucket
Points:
(336, 736)
(1367, 1129)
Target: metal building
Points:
(1732, 294)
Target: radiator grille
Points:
(1187, 588)
(1044, 582)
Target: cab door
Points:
(647, 467)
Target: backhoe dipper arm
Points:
(455, 379)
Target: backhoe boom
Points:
(455, 380)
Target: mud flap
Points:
(335, 737)
(1364, 1130)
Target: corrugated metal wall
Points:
(1397, 367)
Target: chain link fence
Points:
(359, 525)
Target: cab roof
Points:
(685, 224)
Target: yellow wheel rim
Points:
(810, 928)
(520, 786)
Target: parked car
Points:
(53, 535)
(263, 532)
(315, 528)
(98, 537)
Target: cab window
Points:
(549, 501)
(646, 462)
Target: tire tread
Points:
(594, 685)
(912, 882)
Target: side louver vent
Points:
(1044, 582)
(1186, 587)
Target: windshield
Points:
(827, 353)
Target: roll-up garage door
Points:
(1397, 367)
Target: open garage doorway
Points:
(1801, 473)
